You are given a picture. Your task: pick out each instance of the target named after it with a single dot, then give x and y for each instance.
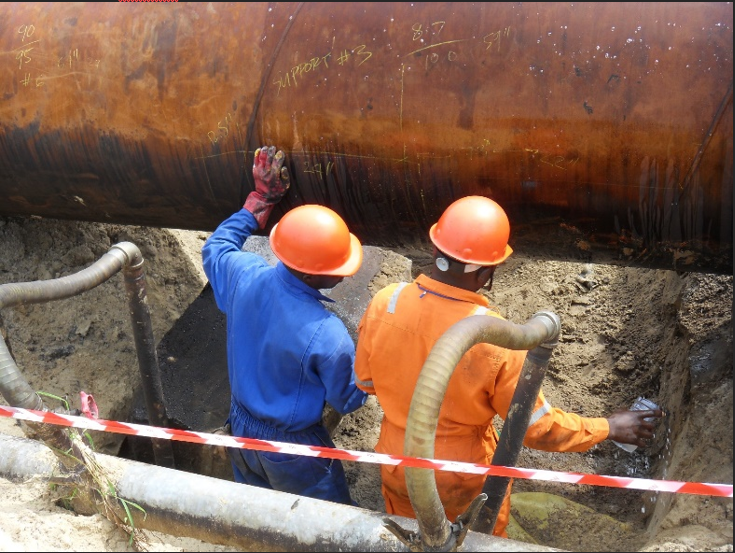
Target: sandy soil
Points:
(626, 333)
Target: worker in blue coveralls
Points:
(287, 354)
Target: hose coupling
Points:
(552, 322)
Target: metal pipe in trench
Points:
(387, 112)
(222, 512)
(514, 430)
(145, 347)
(123, 256)
(435, 531)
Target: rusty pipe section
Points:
(124, 256)
(436, 532)
(602, 128)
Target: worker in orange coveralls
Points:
(398, 330)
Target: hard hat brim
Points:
(435, 240)
(354, 261)
(348, 268)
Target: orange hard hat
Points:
(313, 239)
(473, 229)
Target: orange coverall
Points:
(396, 334)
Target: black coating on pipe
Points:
(514, 431)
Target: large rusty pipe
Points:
(600, 127)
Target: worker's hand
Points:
(271, 178)
(633, 427)
(271, 183)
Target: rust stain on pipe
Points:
(610, 119)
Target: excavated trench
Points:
(626, 332)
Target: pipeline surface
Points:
(600, 127)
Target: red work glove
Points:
(89, 406)
(271, 183)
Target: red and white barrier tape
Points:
(696, 488)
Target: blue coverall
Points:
(287, 354)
